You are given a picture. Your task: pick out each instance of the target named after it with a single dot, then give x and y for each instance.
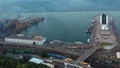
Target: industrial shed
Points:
(19, 38)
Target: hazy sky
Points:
(59, 5)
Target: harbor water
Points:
(66, 26)
(69, 25)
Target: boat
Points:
(78, 42)
(92, 21)
(52, 42)
(89, 30)
(88, 41)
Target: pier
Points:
(17, 25)
(103, 31)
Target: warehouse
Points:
(19, 38)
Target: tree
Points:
(4, 52)
(44, 54)
(31, 65)
(24, 66)
(42, 66)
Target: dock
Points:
(17, 25)
(102, 31)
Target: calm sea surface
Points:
(66, 26)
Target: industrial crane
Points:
(20, 27)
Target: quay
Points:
(103, 31)
(17, 25)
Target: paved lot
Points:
(109, 36)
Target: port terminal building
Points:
(104, 29)
(20, 38)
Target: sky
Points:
(58, 5)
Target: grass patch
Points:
(103, 44)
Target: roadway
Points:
(40, 48)
(37, 48)
(87, 54)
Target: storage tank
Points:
(109, 47)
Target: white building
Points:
(36, 60)
(35, 40)
(104, 25)
(49, 65)
(40, 61)
(118, 55)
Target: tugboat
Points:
(92, 21)
(89, 30)
(88, 41)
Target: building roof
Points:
(103, 19)
(20, 36)
(36, 60)
(104, 27)
(103, 14)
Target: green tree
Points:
(24, 66)
(31, 65)
(4, 52)
(18, 65)
(44, 54)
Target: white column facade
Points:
(100, 20)
(106, 20)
